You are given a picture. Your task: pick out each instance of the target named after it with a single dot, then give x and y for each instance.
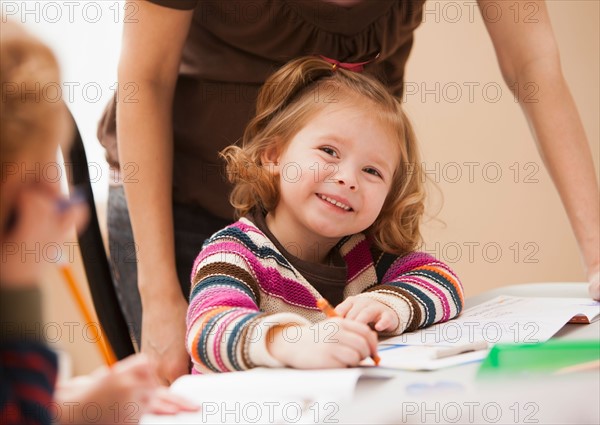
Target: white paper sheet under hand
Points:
(419, 357)
(264, 395)
(504, 319)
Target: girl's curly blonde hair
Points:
(291, 97)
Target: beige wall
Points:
(525, 220)
(522, 225)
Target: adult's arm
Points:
(527, 53)
(150, 58)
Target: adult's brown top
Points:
(232, 48)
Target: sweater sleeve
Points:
(226, 330)
(28, 368)
(419, 288)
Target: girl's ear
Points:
(270, 158)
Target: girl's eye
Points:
(373, 171)
(329, 151)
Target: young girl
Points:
(330, 190)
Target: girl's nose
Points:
(347, 180)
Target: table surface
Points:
(536, 400)
(454, 395)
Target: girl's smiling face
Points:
(334, 175)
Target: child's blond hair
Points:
(31, 111)
(289, 98)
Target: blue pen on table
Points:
(441, 352)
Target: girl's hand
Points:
(40, 225)
(331, 343)
(370, 312)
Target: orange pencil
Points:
(329, 311)
(105, 349)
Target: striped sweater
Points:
(28, 373)
(242, 286)
(28, 368)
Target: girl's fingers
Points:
(363, 330)
(356, 342)
(346, 356)
(368, 315)
(343, 308)
(384, 323)
(353, 312)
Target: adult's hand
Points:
(163, 335)
(594, 288)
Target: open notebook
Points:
(504, 319)
(590, 312)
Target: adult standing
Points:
(188, 77)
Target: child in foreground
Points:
(33, 124)
(329, 189)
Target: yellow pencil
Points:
(104, 345)
(329, 311)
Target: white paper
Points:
(504, 319)
(588, 308)
(263, 395)
(415, 357)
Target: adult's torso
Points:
(231, 49)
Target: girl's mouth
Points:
(334, 202)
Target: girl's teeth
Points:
(334, 202)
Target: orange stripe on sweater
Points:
(453, 280)
(203, 320)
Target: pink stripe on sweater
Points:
(408, 263)
(214, 297)
(269, 279)
(425, 283)
(223, 324)
(358, 259)
(197, 314)
(247, 228)
(217, 297)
